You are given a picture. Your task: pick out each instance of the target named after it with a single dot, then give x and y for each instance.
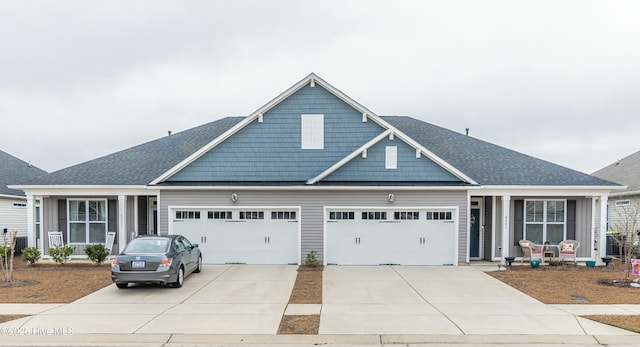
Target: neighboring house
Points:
(315, 170)
(626, 172)
(13, 203)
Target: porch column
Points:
(31, 222)
(135, 215)
(122, 222)
(506, 199)
(602, 233)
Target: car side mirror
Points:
(195, 245)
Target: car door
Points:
(190, 255)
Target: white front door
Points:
(405, 236)
(241, 235)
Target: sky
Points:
(558, 80)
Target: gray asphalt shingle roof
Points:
(486, 163)
(489, 164)
(15, 171)
(141, 164)
(625, 171)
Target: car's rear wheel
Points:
(122, 285)
(180, 279)
(199, 265)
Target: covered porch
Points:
(85, 216)
(499, 219)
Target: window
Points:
(187, 214)
(251, 215)
(439, 216)
(374, 215)
(406, 215)
(391, 157)
(289, 215)
(341, 215)
(87, 221)
(219, 215)
(312, 131)
(545, 221)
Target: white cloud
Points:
(554, 79)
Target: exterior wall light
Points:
(234, 197)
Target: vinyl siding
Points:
(312, 205)
(271, 150)
(13, 218)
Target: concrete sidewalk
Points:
(243, 304)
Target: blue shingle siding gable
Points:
(409, 168)
(271, 151)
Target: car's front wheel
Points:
(122, 285)
(180, 279)
(199, 265)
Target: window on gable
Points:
(312, 131)
(391, 157)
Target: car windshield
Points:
(147, 245)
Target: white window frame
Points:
(545, 221)
(391, 157)
(312, 131)
(87, 222)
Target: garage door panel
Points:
(251, 236)
(403, 237)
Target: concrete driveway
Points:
(371, 300)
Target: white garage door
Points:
(405, 236)
(241, 235)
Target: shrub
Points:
(31, 255)
(61, 254)
(97, 253)
(311, 260)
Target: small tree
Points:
(6, 255)
(311, 260)
(624, 233)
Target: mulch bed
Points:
(308, 286)
(49, 282)
(306, 290)
(561, 284)
(299, 325)
(580, 285)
